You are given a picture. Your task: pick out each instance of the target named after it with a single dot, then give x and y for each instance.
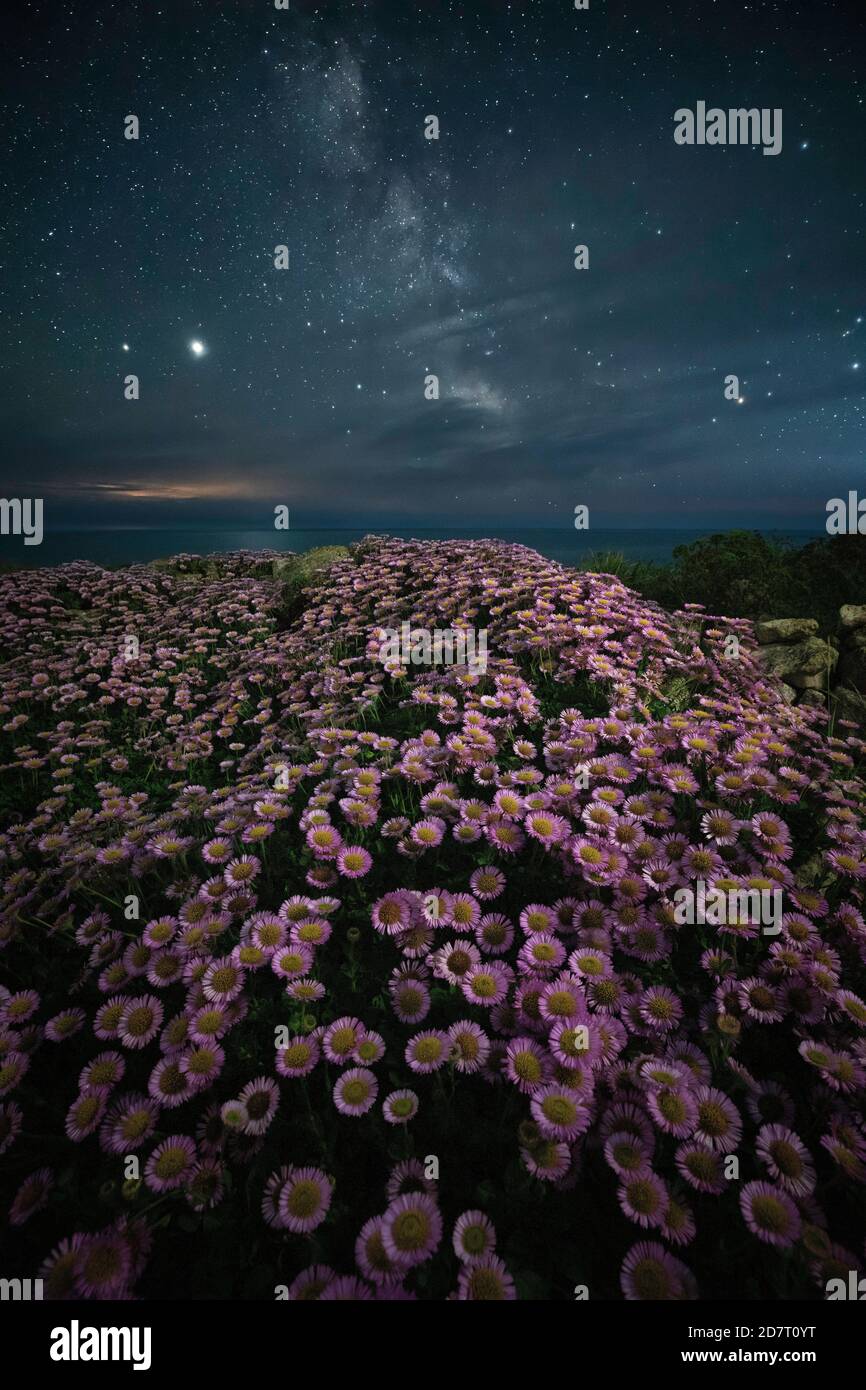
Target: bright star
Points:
(126, 347)
(196, 348)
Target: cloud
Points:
(480, 394)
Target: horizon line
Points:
(390, 526)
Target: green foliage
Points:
(743, 574)
(645, 576)
(297, 573)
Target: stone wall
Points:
(815, 670)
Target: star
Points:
(197, 348)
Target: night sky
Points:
(411, 256)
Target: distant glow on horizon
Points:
(230, 491)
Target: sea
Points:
(137, 545)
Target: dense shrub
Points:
(748, 575)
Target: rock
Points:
(813, 697)
(810, 682)
(857, 638)
(789, 694)
(848, 704)
(785, 630)
(800, 663)
(852, 615)
(852, 667)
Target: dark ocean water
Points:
(138, 545)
